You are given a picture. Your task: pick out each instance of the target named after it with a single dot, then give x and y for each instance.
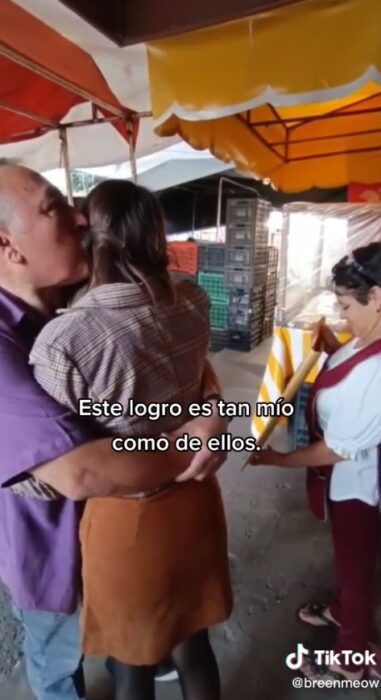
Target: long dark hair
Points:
(126, 240)
(359, 272)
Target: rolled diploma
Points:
(291, 389)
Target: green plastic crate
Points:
(219, 315)
(214, 285)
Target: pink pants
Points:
(356, 540)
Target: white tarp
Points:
(125, 71)
(158, 171)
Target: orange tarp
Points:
(43, 75)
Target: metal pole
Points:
(134, 169)
(141, 115)
(66, 163)
(219, 205)
(194, 213)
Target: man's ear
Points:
(9, 250)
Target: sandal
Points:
(321, 672)
(317, 611)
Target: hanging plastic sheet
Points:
(314, 238)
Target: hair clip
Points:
(362, 271)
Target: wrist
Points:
(285, 459)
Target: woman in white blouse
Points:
(344, 417)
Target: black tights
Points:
(195, 663)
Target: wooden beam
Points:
(105, 15)
(129, 22)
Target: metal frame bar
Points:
(4, 106)
(219, 198)
(329, 137)
(282, 123)
(299, 121)
(337, 113)
(47, 125)
(66, 163)
(330, 154)
(261, 138)
(344, 111)
(134, 169)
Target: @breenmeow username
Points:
(295, 659)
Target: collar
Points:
(114, 296)
(14, 310)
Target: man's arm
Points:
(39, 437)
(95, 470)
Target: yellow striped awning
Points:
(291, 94)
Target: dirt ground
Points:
(280, 558)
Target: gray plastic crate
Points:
(267, 328)
(298, 424)
(240, 235)
(245, 279)
(273, 258)
(211, 257)
(247, 209)
(218, 339)
(246, 298)
(240, 257)
(246, 257)
(244, 341)
(244, 319)
(241, 210)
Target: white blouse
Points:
(350, 417)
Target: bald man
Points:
(40, 257)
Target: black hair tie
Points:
(362, 271)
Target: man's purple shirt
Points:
(39, 540)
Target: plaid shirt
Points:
(115, 343)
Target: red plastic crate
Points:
(183, 257)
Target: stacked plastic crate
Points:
(246, 269)
(211, 277)
(298, 428)
(270, 295)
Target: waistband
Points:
(168, 486)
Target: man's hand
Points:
(205, 462)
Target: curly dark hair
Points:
(359, 272)
(126, 240)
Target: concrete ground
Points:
(280, 558)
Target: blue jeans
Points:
(53, 655)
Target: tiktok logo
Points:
(329, 658)
(295, 659)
